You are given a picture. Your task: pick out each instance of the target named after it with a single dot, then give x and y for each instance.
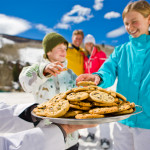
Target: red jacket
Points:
(95, 61)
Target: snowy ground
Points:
(101, 131)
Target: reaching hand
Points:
(89, 77)
(71, 128)
(53, 68)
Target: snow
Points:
(5, 41)
(1, 62)
(31, 55)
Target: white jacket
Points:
(18, 134)
(44, 88)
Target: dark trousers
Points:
(74, 147)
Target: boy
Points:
(46, 79)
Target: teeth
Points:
(132, 32)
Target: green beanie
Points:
(51, 40)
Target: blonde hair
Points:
(76, 32)
(143, 7)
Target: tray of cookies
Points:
(86, 104)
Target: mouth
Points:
(133, 32)
(62, 56)
(77, 43)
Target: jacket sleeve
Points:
(36, 138)
(31, 78)
(39, 138)
(108, 71)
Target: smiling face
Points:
(136, 24)
(89, 47)
(77, 40)
(58, 53)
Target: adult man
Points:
(75, 53)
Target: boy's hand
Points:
(53, 68)
(89, 77)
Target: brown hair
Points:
(143, 7)
(76, 32)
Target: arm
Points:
(108, 71)
(106, 75)
(32, 77)
(47, 137)
(36, 138)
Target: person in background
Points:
(18, 132)
(130, 63)
(47, 78)
(75, 53)
(94, 57)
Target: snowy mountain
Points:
(4, 41)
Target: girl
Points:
(130, 63)
(95, 57)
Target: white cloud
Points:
(13, 25)
(98, 5)
(117, 32)
(77, 15)
(111, 15)
(62, 26)
(42, 27)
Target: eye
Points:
(134, 22)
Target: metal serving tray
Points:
(138, 109)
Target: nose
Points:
(130, 27)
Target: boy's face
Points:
(136, 24)
(77, 40)
(89, 47)
(58, 53)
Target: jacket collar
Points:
(140, 42)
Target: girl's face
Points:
(136, 24)
(58, 53)
(89, 47)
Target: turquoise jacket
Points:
(130, 63)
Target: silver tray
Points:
(138, 109)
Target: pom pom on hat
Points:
(89, 39)
(51, 40)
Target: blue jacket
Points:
(130, 63)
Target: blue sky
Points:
(34, 18)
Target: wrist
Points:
(62, 129)
(99, 78)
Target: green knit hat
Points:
(51, 40)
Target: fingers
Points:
(88, 77)
(71, 128)
(54, 68)
(83, 77)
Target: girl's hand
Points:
(89, 77)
